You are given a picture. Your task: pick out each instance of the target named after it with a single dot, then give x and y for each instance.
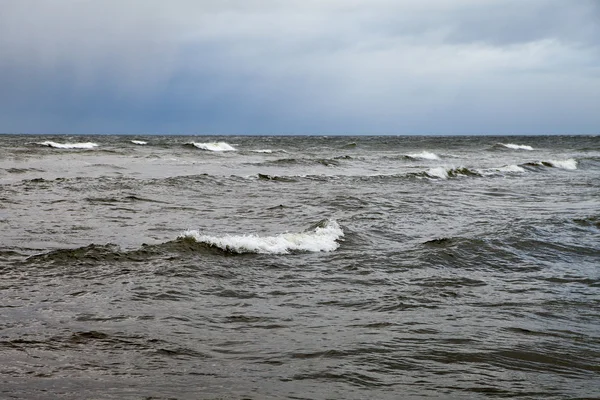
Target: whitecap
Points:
(424, 155)
(214, 146)
(564, 164)
(140, 142)
(88, 145)
(322, 238)
(438, 172)
(507, 169)
(517, 146)
(268, 151)
(511, 168)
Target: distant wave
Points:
(570, 164)
(516, 146)
(266, 177)
(424, 155)
(303, 161)
(214, 146)
(140, 142)
(268, 151)
(445, 173)
(87, 145)
(323, 237)
(505, 169)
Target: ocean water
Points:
(299, 267)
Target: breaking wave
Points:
(322, 237)
(516, 146)
(570, 164)
(564, 164)
(139, 142)
(507, 169)
(445, 173)
(424, 155)
(214, 146)
(87, 145)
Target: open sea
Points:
(245, 267)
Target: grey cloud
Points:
(379, 63)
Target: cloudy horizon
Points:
(294, 67)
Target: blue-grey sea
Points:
(309, 267)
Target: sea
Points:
(299, 267)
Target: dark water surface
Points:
(299, 267)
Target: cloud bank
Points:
(291, 67)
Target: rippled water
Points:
(299, 267)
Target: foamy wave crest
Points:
(438, 172)
(444, 173)
(507, 169)
(268, 151)
(214, 146)
(424, 155)
(564, 164)
(324, 237)
(88, 145)
(140, 142)
(511, 168)
(516, 146)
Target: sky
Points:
(300, 66)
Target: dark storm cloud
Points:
(334, 66)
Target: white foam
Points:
(263, 151)
(438, 172)
(564, 164)
(214, 146)
(320, 239)
(140, 142)
(425, 155)
(511, 168)
(88, 145)
(517, 146)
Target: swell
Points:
(328, 162)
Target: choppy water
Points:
(299, 267)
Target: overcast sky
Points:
(300, 66)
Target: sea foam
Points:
(214, 146)
(564, 164)
(140, 142)
(511, 168)
(438, 172)
(517, 146)
(424, 155)
(322, 238)
(88, 145)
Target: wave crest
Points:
(513, 146)
(570, 164)
(87, 145)
(214, 146)
(323, 237)
(445, 173)
(424, 155)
